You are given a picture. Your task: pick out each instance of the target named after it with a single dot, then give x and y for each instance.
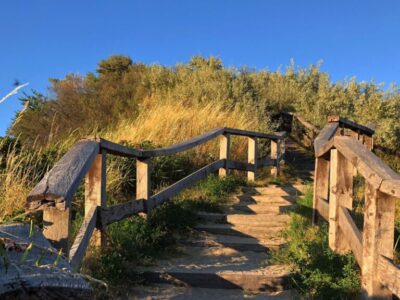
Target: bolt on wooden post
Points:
(378, 239)
(224, 153)
(143, 183)
(340, 194)
(252, 158)
(275, 154)
(95, 192)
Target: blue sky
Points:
(41, 39)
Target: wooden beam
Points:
(352, 234)
(321, 185)
(121, 211)
(351, 125)
(252, 155)
(95, 193)
(56, 227)
(143, 183)
(340, 194)
(82, 239)
(58, 186)
(326, 134)
(224, 153)
(389, 274)
(188, 181)
(120, 150)
(323, 209)
(275, 154)
(378, 239)
(253, 134)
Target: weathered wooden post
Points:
(56, 227)
(340, 194)
(143, 184)
(224, 153)
(252, 158)
(378, 238)
(95, 192)
(321, 183)
(275, 154)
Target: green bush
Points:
(318, 272)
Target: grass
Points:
(318, 273)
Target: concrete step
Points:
(221, 268)
(258, 232)
(237, 243)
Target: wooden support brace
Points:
(224, 153)
(321, 183)
(340, 194)
(143, 184)
(378, 238)
(56, 227)
(252, 157)
(95, 193)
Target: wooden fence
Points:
(342, 149)
(87, 161)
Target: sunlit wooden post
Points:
(143, 184)
(275, 154)
(340, 194)
(321, 183)
(57, 226)
(252, 158)
(95, 192)
(378, 238)
(224, 153)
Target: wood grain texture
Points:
(389, 274)
(120, 150)
(252, 155)
(351, 233)
(58, 186)
(321, 186)
(28, 281)
(143, 181)
(224, 153)
(253, 134)
(121, 211)
(78, 249)
(351, 125)
(326, 134)
(323, 208)
(57, 227)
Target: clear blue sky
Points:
(40, 39)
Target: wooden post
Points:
(321, 183)
(56, 227)
(275, 154)
(143, 184)
(369, 142)
(224, 153)
(252, 158)
(340, 194)
(95, 192)
(378, 238)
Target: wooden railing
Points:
(87, 160)
(342, 149)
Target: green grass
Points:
(318, 272)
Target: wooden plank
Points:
(391, 187)
(275, 154)
(326, 134)
(82, 239)
(389, 274)
(120, 150)
(188, 181)
(378, 239)
(121, 211)
(31, 278)
(196, 141)
(352, 234)
(352, 125)
(57, 226)
(252, 155)
(143, 182)
(224, 153)
(95, 192)
(323, 208)
(321, 186)
(371, 167)
(340, 194)
(59, 184)
(253, 134)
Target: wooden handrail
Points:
(338, 158)
(87, 158)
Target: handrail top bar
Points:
(122, 150)
(352, 125)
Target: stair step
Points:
(260, 208)
(259, 220)
(265, 199)
(259, 232)
(237, 243)
(220, 267)
(271, 190)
